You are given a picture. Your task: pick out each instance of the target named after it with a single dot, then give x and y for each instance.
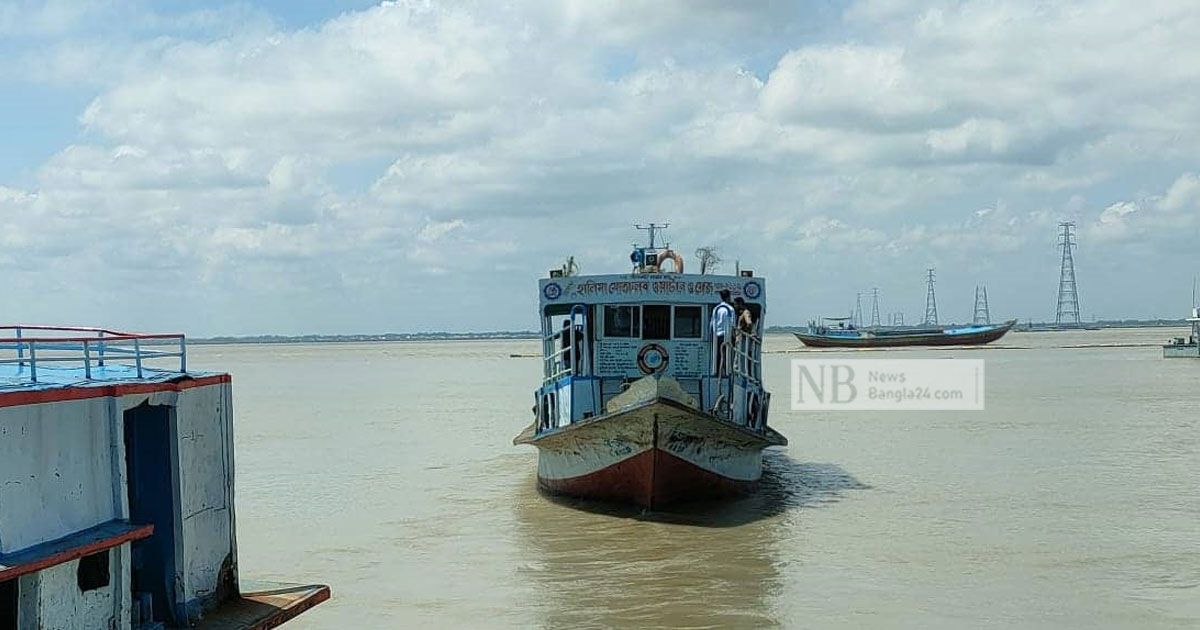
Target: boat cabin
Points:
(600, 333)
(116, 488)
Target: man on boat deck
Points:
(745, 319)
(722, 327)
(572, 343)
(745, 330)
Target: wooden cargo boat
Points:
(973, 335)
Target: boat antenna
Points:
(653, 229)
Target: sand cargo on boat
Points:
(638, 401)
(116, 488)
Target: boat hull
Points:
(655, 454)
(1181, 351)
(897, 340)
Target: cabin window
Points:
(622, 321)
(689, 322)
(656, 321)
(92, 572)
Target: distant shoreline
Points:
(386, 337)
(526, 335)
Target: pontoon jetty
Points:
(116, 488)
(638, 404)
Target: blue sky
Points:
(281, 167)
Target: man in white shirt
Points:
(721, 324)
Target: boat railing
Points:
(746, 349)
(562, 359)
(29, 347)
(740, 357)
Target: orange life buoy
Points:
(673, 257)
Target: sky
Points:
(352, 167)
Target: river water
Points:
(387, 471)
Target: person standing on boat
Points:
(745, 320)
(572, 343)
(721, 323)
(744, 332)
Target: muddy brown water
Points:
(386, 471)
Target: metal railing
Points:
(555, 351)
(741, 356)
(33, 346)
(747, 356)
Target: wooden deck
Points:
(266, 606)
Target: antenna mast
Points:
(931, 314)
(1068, 291)
(653, 230)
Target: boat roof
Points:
(36, 358)
(671, 288)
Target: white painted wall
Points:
(55, 471)
(51, 598)
(62, 470)
(204, 452)
(205, 425)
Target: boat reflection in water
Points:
(715, 564)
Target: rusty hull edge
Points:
(650, 479)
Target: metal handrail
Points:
(747, 354)
(78, 349)
(555, 367)
(741, 357)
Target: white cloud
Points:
(235, 156)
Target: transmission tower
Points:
(931, 316)
(858, 318)
(897, 319)
(875, 307)
(982, 314)
(1068, 291)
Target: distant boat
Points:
(1180, 348)
(821, 336)
(1032, 327)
